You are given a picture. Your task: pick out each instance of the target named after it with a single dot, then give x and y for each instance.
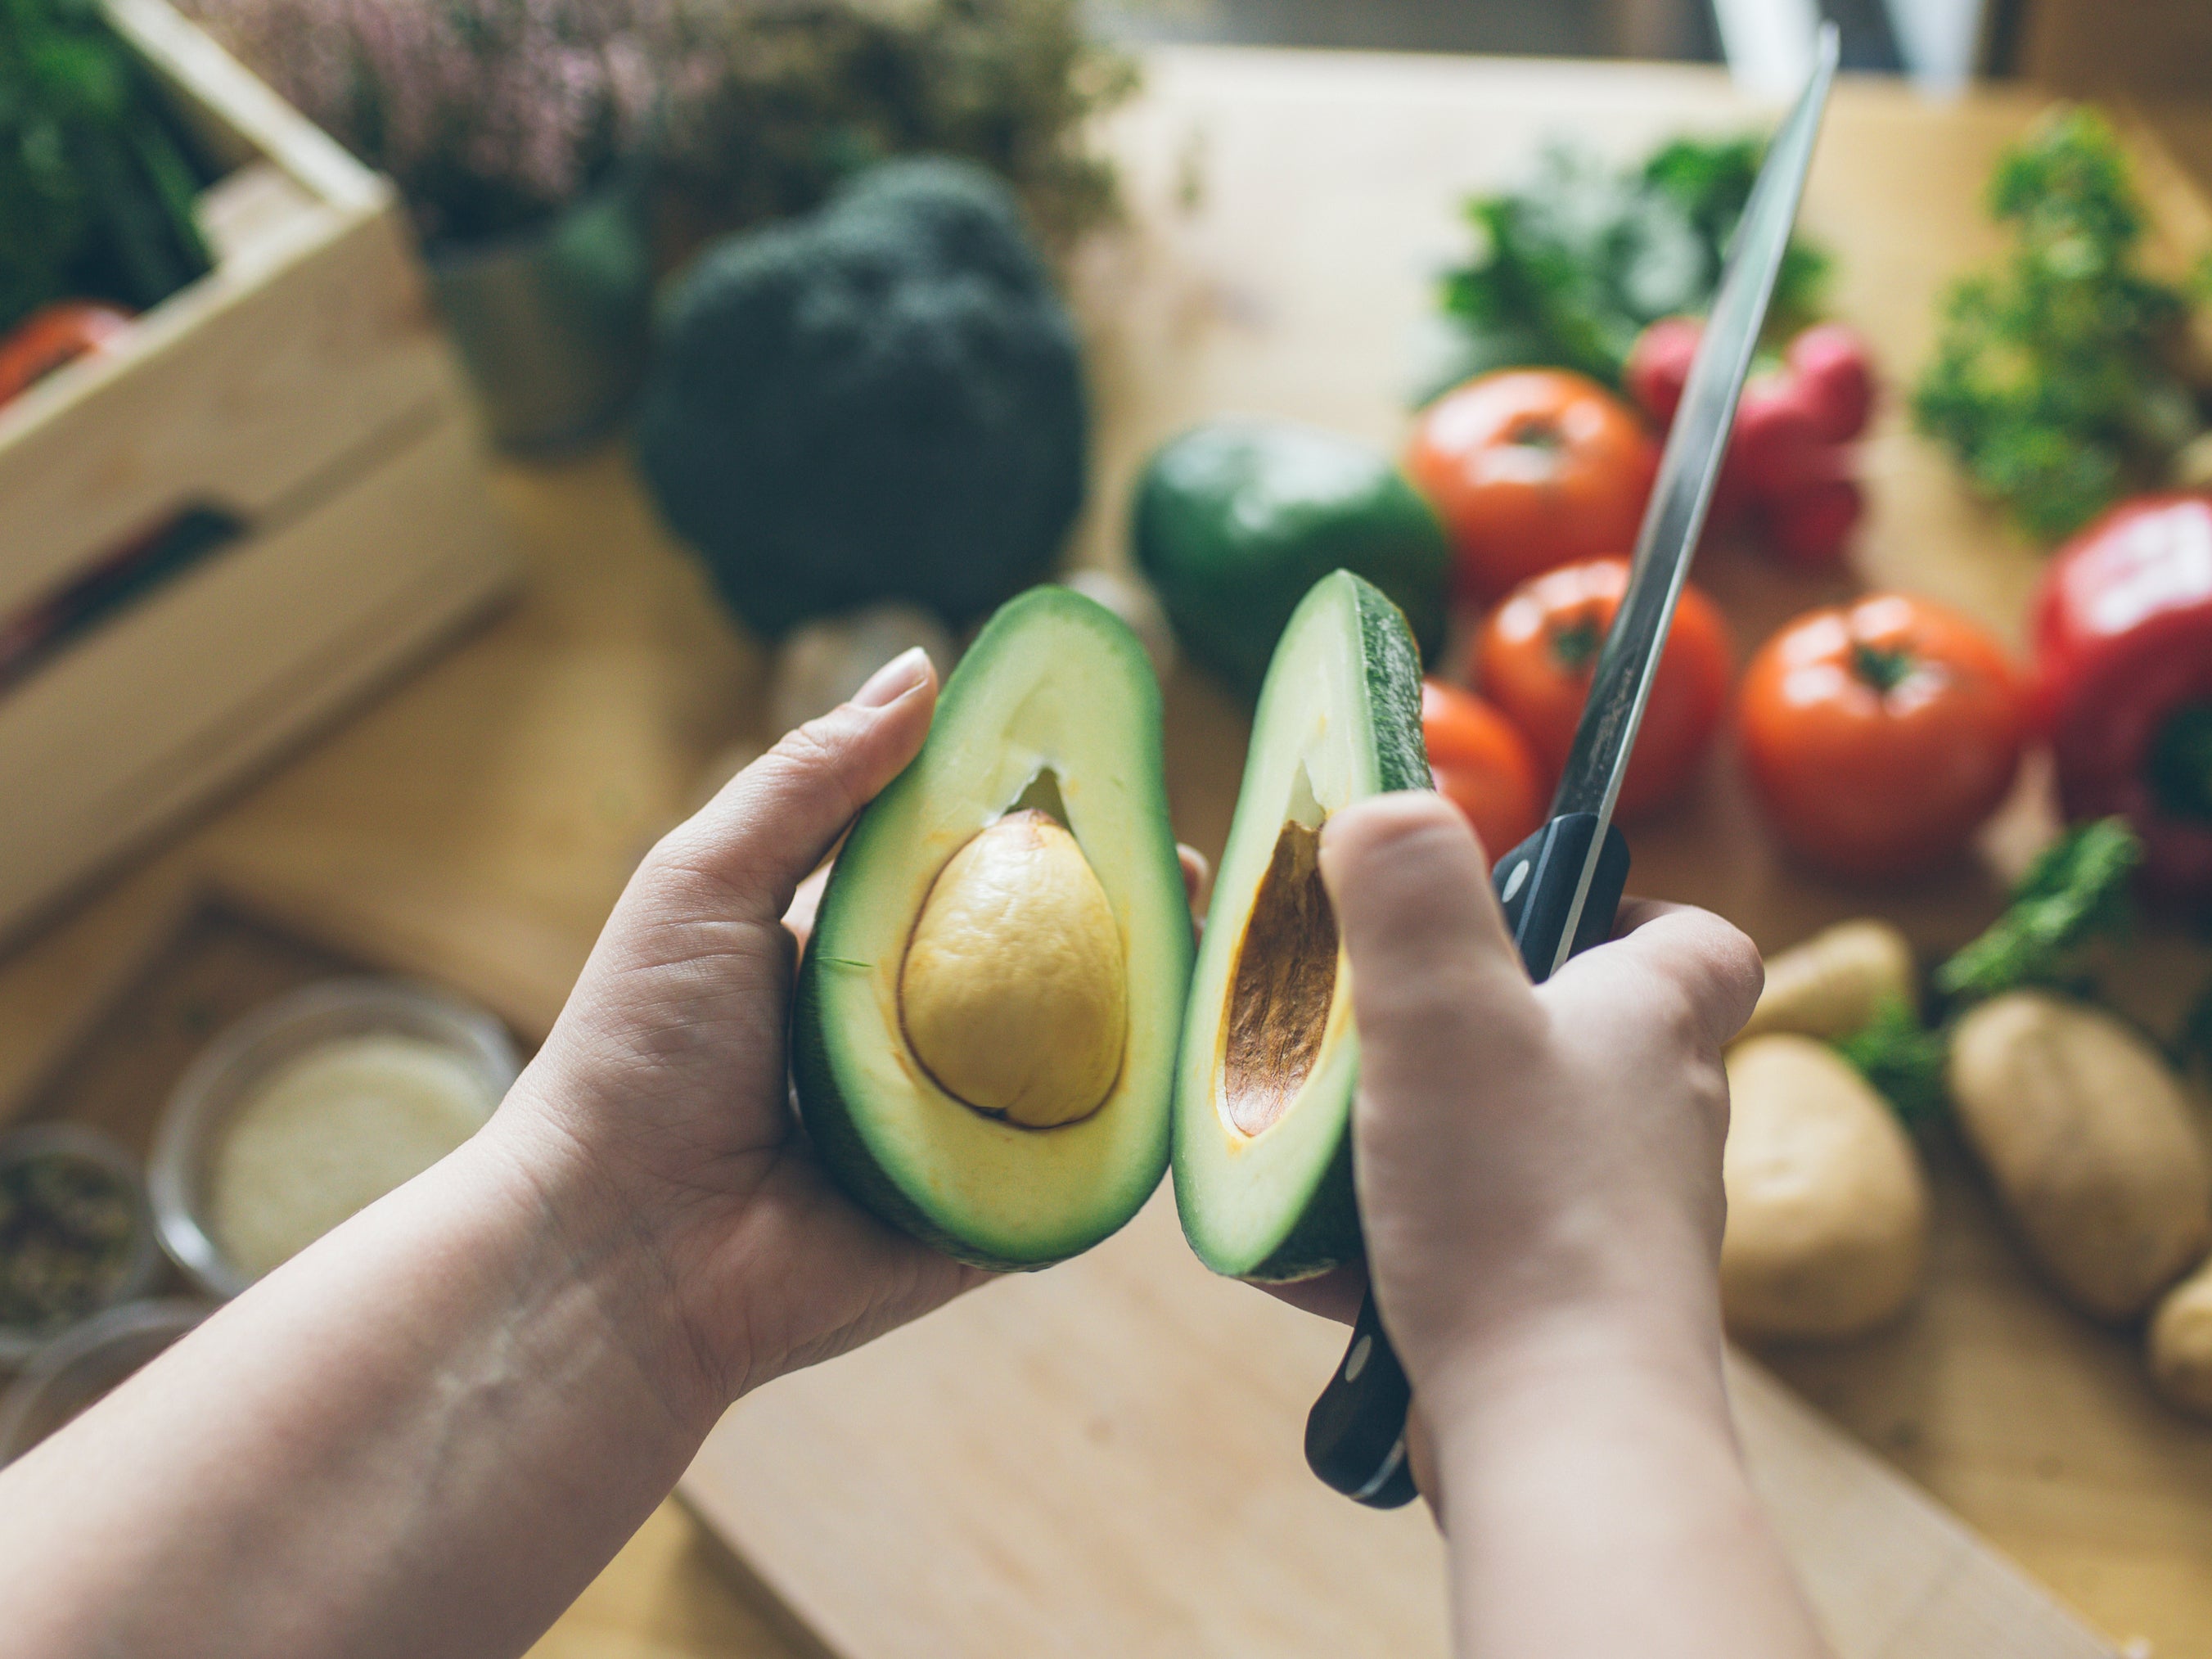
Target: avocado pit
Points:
(1284, 982)
(1013, 993)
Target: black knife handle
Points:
(1356, 1432)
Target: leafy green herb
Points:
(1569, 269)
(1903, 1058)
(2055, 380)
(95, 192)
(2076, 891)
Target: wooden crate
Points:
(301, 388)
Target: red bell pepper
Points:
(2122, 632)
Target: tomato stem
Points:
(1884, 670)
(1574, 644)
(2180, 769)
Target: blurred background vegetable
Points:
(1481, 765)
(2121, 629)
(788, 96)
(1880, 734)
(2059, 381)
(54, 336)
(1536, 653)
(1568, 269)
(881, 400)
(1790, 473)
(96, 186)
(1531, 469)
(1234, 519)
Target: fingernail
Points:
(894, 679)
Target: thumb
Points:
(1425, 942)
(773, 823)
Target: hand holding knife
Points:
(1560, 887)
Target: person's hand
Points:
(662, 1093)
(1539, 1166)
(664, 1079)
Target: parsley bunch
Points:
(1568, 269)
(2054, 382)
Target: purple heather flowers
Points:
(491, 114)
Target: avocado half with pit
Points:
(984, 1035)
(1264, 1083)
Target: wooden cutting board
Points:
(1104, 1460)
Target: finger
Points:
(1438, 993)
(1332, 1295)
(776, 820)
(1197, 884)
(1414, 906)
(1709, 961)
(804, 903)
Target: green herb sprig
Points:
(2055, 381)
(2073, 893)
(95, 191)
(1568, 269)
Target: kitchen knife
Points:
(1560, 887)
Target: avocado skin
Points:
(829, 1123)
(1327, 1233)
(1234, 521)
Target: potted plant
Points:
(555, 153)
(516, 131)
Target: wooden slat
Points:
(164, 705)
(310, 337)
(222, 91)
(234, 393)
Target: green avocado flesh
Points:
(1264, 1081)
(1052, 714)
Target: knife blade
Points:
(1560, 888)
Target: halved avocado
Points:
(984, 1034)
(1263, 1085)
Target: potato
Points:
(2086, 1134)
(1827, 1209)
(2180, 1346)
(1831, 985)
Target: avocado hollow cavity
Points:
(1284, 982)
(1012, 994)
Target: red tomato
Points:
(1531, 469)
(1880, 733)
(1482, 765)
(1536, 653)
(53, 336)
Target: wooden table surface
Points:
(479, 821)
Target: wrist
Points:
(615, 1249)
(1558, 1363)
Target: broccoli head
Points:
(883, 399)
